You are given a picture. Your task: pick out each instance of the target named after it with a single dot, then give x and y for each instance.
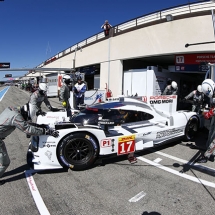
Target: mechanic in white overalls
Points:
(198, 98)
(12, 118)
(171, 89)
(64, 94)
(208, 87)
(36, 99)
(79, 90)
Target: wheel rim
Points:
(191, 129)
(78, 151)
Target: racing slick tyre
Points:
(191, 128)
(78, 151)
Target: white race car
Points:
(112, 128)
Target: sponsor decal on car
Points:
(105, 143)
(49, 145)
(168, 133)
(126, 144)
(48, 154)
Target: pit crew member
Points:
(79, 89)
(208, 87)
(198, 98)
(171, 89)
(36, 100)
(16, 117)
(64, 94)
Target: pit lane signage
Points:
(162, 102)
(193, 62)
(4, 65)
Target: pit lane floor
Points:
(163, 181)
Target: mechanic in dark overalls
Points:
(198, 98)
(10, 119)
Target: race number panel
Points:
(126, 144)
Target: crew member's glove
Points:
(40, 112)
(209, 114)
(52, 132)
(64, 104)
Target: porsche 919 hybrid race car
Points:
(116, 127)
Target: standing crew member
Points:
(64, 94)
(171, 89)
(197, 98)
(79, 89)
(36, 100)
(12, 118)
(208, 87)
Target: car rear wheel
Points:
(78, 151)
(191, 128)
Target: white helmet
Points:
(66, 77)
(199, 88)
(208, 87)
(174, 85)
(43, 87)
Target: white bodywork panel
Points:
(124, 139)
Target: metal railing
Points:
(145, 19)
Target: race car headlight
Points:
(34, 143)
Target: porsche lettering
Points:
(168, 133)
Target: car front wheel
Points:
(191, 128)
(78, 151)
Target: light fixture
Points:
(169, 17)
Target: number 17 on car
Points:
(126, 144)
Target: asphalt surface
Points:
(163, 181)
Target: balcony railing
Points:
(175, 12)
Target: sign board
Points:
(167, 103)
(4, 65)
(8, 75)
(193, 62)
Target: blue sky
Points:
(34, 30)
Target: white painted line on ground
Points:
(4, 92)
(157, 160)
(137, 197)
(36, 194)
(186, 162)
(183, 175)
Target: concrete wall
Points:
(165, 38)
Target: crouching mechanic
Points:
(36, 99)
(198, 98)
(79, 90)
(208, 87)
(16, 117)
(64, 94)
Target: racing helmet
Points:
(208, 87)
(199, 88)
(66, 79)
(174, 85)
(42, 88)
(26, 111)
